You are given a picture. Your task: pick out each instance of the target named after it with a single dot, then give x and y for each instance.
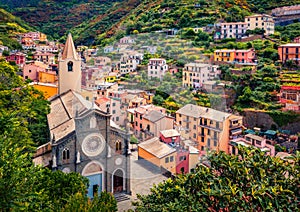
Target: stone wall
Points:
(265, 121)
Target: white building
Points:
(195, 74)
(157, 67)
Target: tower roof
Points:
(69, 50)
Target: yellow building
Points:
(48, 89)
(261, 21)
(112, 77)
(43, 37)
(208, 128)
(46, 77)
(158, 153)
(225, 55)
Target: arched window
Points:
(118, 146)
(66, 154)
(70, 66)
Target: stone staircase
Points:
(121, 197)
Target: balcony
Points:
(233, 126)
(210, 127)
(186, 120)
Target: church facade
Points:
(83, 138)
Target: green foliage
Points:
(289, 32)
(80, 202)
(27, 104)
(282, 118)
(249, 181)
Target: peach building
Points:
(208, 128)
(158, 153)
(261, 21)
(47, 58)
(289, 51)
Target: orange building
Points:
(48, 89)
(289, 51)
(47, 77)
(158, 153)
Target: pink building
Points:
(30, 71)
(252, 140)
(47, 58)
(19, 58)
(245, 56)
(290, 97)
(182, 160)
(32, 35)
(144, 121)
(170, 136)
(297, 39)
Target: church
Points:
(83, 137)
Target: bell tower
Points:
(69, 68)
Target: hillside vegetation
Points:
(9, 27)
(91, 21)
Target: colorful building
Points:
(158, 153)
(208, 128)
(47, 58)
(252, 140)
(170, 136)
(288, 52)
(290, 97)
(48, 89)
(157, 67)
(47, 77)
(235, 56)
(230, 30)
(195, 74)
(18, 57)
(261, 21)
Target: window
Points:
(29, 71)
(167, 160)
(118, 146)
(114, 111)
(202, 139)
(113, 104)
(171, 158)
(141, 126)
(70, 66)
(215, 135)
(136, 115)
(194, 127)
(208, 142)
(217, 125)
(194, 136)
(141, 117)
(258, 142)
(136, 124)
(208, 131)
(215, 143)
(66, 154)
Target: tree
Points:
(249, 181)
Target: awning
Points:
(236, 131)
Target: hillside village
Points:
(167, 97)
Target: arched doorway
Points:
(93, 171)
(118, 181)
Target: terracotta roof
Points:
(69, 49)
(102, 100)
(286, 87)
(157, 148)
